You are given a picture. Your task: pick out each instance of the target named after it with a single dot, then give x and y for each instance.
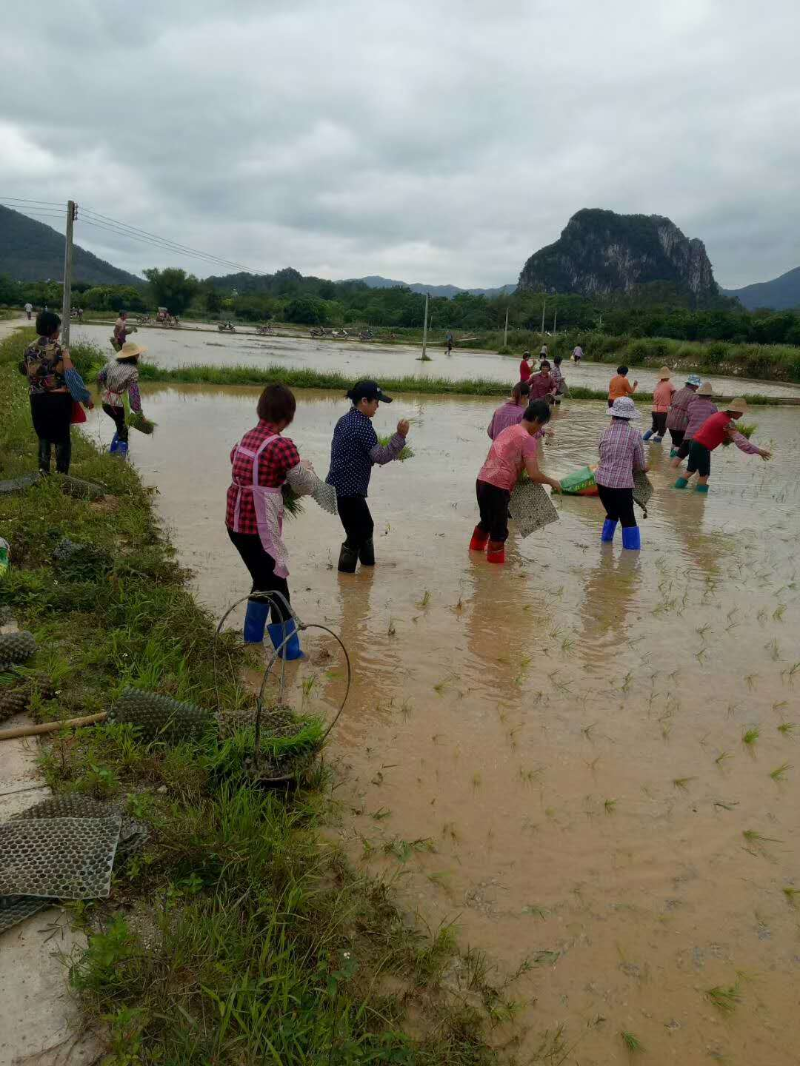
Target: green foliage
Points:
(172, 288)
(307, 310)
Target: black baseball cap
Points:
(367, 390)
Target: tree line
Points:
(287, 296)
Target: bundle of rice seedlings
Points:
(292, 503)
(287, 752)
(747, 429)
(136, 420)
(406, 453)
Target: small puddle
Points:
(550, 753)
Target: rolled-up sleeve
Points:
(381, 454)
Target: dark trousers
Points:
(357, 521)
(618, 504)
(699, 459)
(493, 506)
(659, 422)
(677, 437)
(51, 413)
(262, 570)
(118, 415)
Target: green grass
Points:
(240, 933)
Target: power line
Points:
(19, 200)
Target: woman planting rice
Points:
(117, 377)
(510, 413)
(718, 429)
(355, 449)
(662, 398)
(700, 408)
(678, 415)
(262, 463)
(514, 450)
(621, 455)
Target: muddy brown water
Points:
(565, 732)
(176, 348)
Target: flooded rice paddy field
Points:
(585, 759)
(176, 348)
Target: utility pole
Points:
(555, 320)
(505, 332)
(544, 304)
(66, 304)
(425, 329)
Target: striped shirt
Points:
(118, 378)
(510, 414)
(678, 416)
(621, 453)
(699, 410)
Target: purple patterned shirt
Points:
(699, 410)
(621, 453)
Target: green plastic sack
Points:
(581, 483)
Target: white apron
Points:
(268, 505)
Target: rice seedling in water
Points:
(793, 669)
(404, 849)
(752, 836)
(750, 680)
(724, 999)
(381, 813)
(426, 599)
(631, 1042)
(787, 728)
(546, 958)
(791, 894)
(610, 806)
(682, 782)
(751, 735)
(723, 757)
(774, 650)
(477, 780)
(535, 912)
(780, 772)
(779, 612)
(392, 630)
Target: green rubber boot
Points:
(681, 483)
(701, 488)
(673, 452)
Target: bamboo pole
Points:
(51, 727)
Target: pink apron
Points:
(268, 505)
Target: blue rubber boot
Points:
(278, 632)
(632, 538)
(122, 449)
(681, 483)
(701, 488)
(608, 531)
(114, 443)
(647, 435)
(656, 440)
(254, 621)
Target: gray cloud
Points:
(439, 142)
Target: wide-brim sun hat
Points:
(129, 349)
(694, 379)
(706, 389)
(738, 403)
(623, 407)
(665, 372)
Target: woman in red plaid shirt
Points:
(262, 463)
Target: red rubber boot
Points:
(496, 552)
(479, 539)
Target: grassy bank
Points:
(240, 934)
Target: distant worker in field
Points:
(619, 386)
(577, 353)
(121, 331)
(355, 449)
(544, 352)
(662, 399)
(558, 378)
(449, 343)
(526, 366)
(117, 377)
(678, 414)
(29, 310)
(718, 429)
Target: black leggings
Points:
(677, 437)
(618, 504)
(659, 422)
(51, 413)
(118, 414)
(262, 570)
(357, 521)
(493, 505)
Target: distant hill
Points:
(31, 251)
(600, 253)
(781, 294)
(375, 281)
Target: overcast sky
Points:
(433, 141)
